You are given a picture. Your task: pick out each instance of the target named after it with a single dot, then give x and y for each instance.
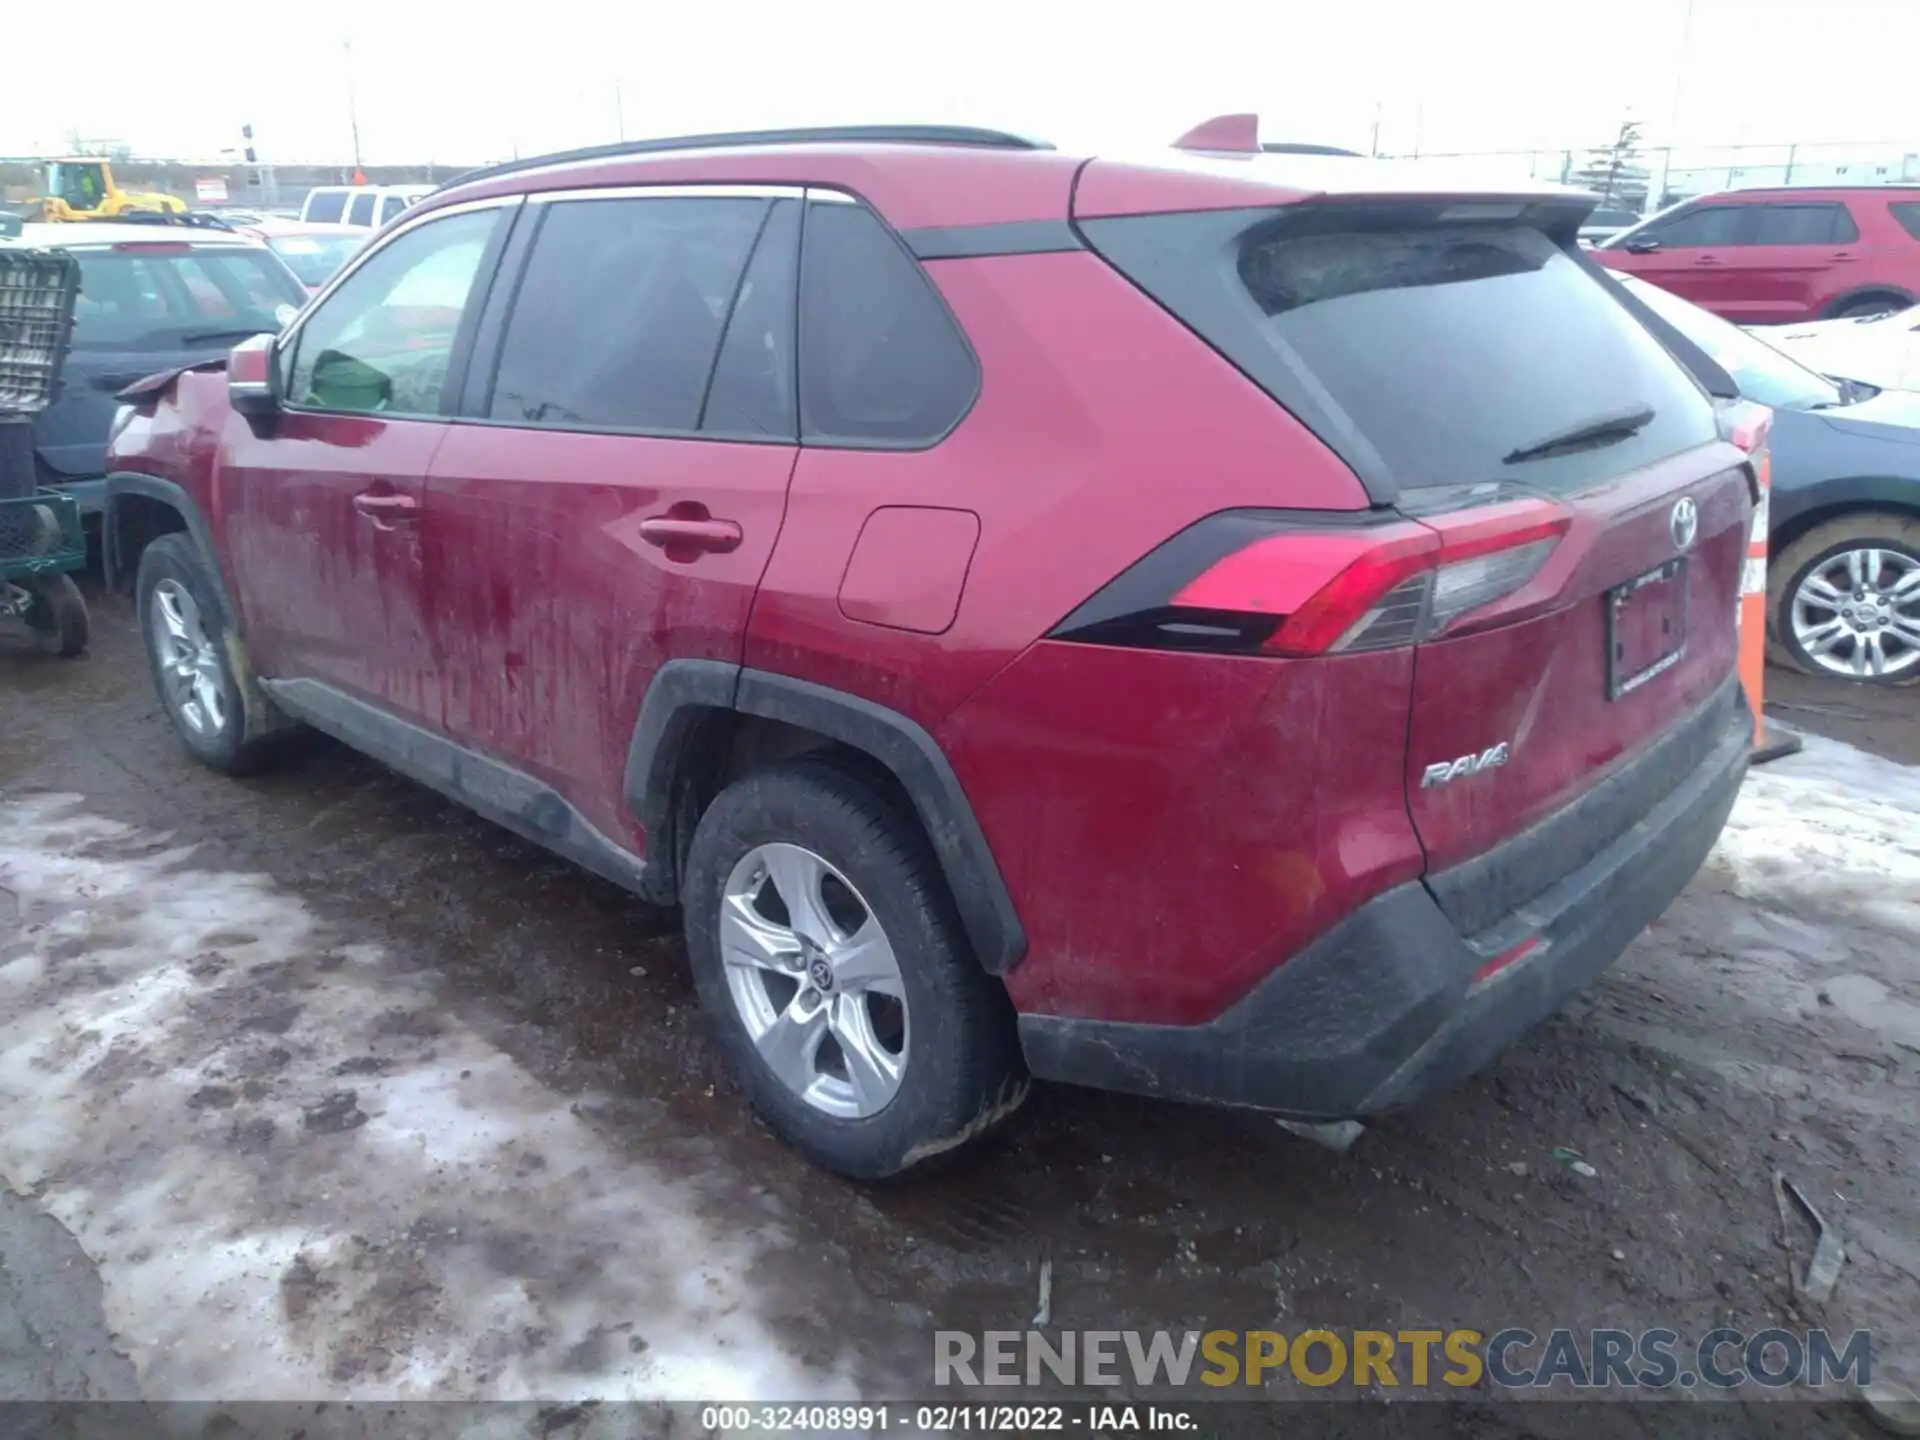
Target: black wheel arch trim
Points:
(1863, 292)
(167, 493)
(666, 737)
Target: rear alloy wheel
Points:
(1849, 600)
(815, 981)
(842, 989)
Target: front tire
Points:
(191, 654)
(839, 980)
(1844, 599)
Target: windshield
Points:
(151, 296)
(1761, 372)
(314, 258)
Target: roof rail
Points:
(1292, 147)
(823, 134)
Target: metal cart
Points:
(41, 541)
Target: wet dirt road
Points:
(343, 1092)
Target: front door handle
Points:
(671, 532)
(386, 509)
(1707, 260)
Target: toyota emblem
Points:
(1684, 523)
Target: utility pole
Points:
(1373, 147)
(619, 110)
(353, 110)
(1658, 198)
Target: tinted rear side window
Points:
(1425, 355)
(1801, 225)
(881, 361)
(361, 211)
(620, 312)
(752, 392)
(1907, 212)
(328, 207)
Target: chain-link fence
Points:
(1665, 175)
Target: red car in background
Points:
(1763, 257)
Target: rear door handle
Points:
(719, 536)
(386, 509)
(1707, 260)
(1841, 255)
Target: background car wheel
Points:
(55, 613)
(1844, 599)
(190, 654)
(1863, 305)
(838, 977)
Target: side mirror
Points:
(250, 379)
(1644, 245)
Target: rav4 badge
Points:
(1443, 771)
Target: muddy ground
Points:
(316, 1086)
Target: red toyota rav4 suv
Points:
(1772, 256)
(1240, 627)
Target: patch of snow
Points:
(1834, 829)
(167, 1037)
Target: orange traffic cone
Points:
(1751, 434)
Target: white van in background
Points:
(369, 205)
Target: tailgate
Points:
(1521, 716)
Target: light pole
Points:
(1659, 197)
(353, 110)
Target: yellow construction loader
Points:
(82, 188)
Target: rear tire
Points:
(1797, 620)
(1860, 306)
(225, 723)
(55, 614)
(948, 1067)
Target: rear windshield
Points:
(165, 295)
(314, 258)
(1430, 355)
(326, 207)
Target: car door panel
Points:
(325, 508)
(575, 552)
(331, 592)
(556, 609)
(1780, 270)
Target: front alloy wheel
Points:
(186, 660)
(814, 981)
(1857, 613)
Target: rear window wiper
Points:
(1607, 429)
(202, 337)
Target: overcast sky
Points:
(452, 83)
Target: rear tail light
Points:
(1750, 426)
(1267, 583)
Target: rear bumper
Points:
(1385, 1008)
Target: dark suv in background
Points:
(1761, 257)
(1167, 625)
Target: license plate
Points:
(1646, 627)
